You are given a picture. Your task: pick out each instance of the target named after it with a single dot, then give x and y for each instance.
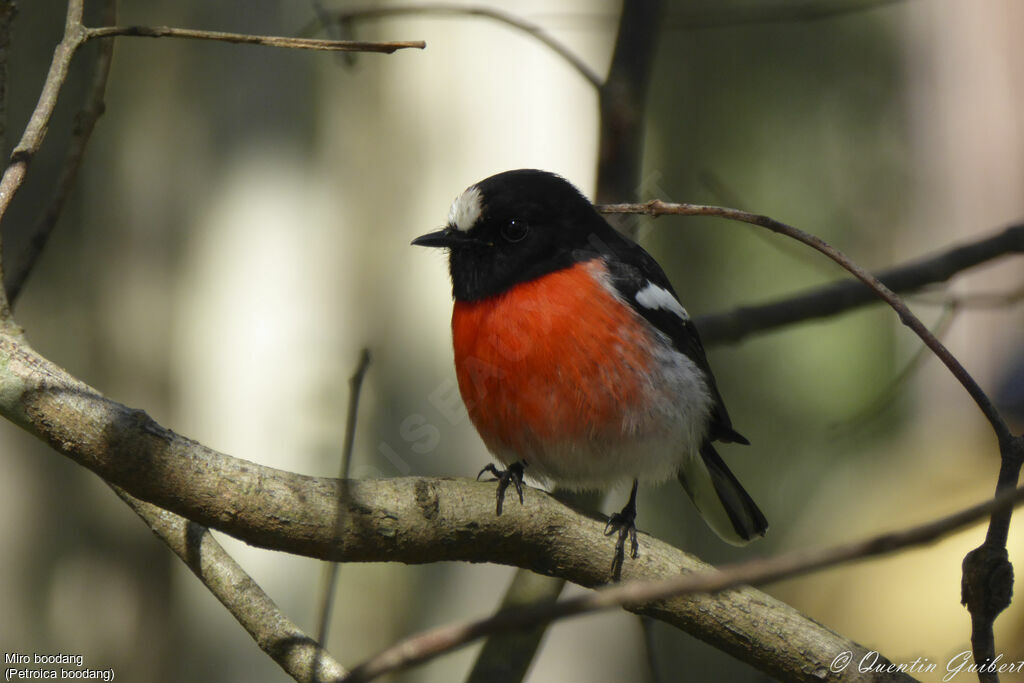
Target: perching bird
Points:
(575, 358)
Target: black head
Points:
(514, 227)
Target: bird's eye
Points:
(515, 230)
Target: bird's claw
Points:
(513, 475)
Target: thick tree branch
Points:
(755, 572)
(298, 654)
(248, 39)
(839, 297)
(412, 520)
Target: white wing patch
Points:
(466, 209)
(654, 297)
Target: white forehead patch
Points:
(466, 209)
(654, 297)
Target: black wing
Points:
(632, 270)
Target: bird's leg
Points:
(624, 522)
(513, 475)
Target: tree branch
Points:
(75, 35)
(839, 297)
(298, 654)
(35, 131)
(249, 39)
(657, 208)
(430, 644)
(85, 121)
(412, 520)
(987, 584)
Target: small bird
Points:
(575, 358)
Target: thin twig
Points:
(450, 9)
(85, 121)
(75, 34)
(355, 385)
(987, 583)
(298, 654)
(844, 295)
(248, 39)
(656, 208)
(35, 131)
(429, 644)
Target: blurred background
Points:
(241, 228)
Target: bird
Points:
(575, 359)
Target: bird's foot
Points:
(624, 524)
(513, 475)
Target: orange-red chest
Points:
(558, 359)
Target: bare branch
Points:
(845, 295)
(35, 131)
(987, 584)
(659, 208)
(430, 644)
(451, 9)
(75, 34)
(298, 654)
(248, 39)
(412, 520)
(85, 121)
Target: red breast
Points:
(559, 358)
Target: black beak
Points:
(447, 238)
(441, 238)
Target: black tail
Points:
(725, 505)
